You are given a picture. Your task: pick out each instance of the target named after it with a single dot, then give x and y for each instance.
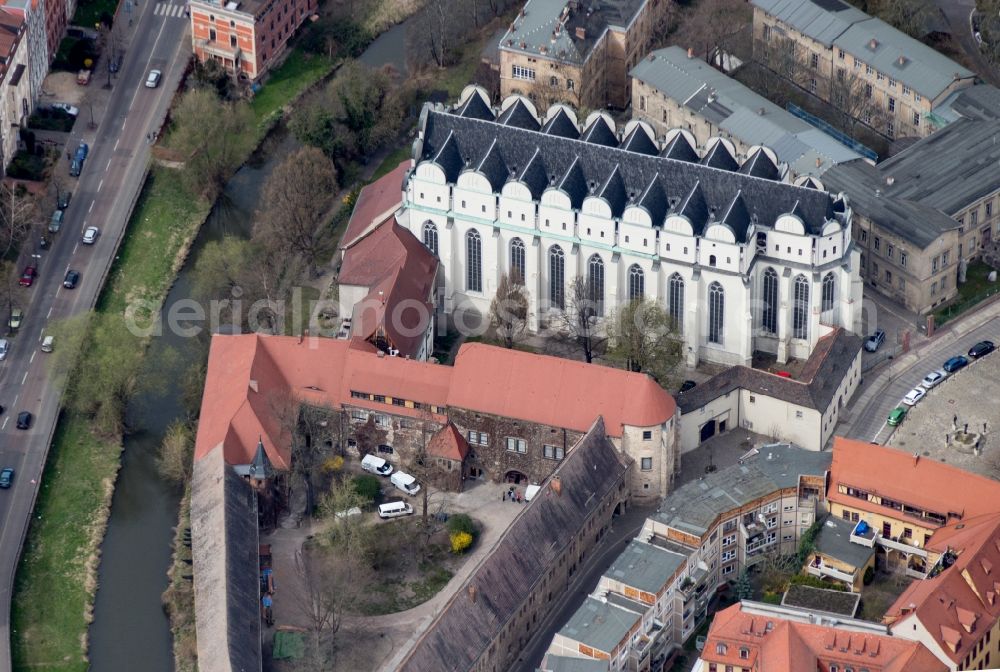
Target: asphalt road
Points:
(958, 15)
(103, 196)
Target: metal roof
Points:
(600, 625)
(822, 20)
(644, 566)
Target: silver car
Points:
(932, 379)
(90, 235)
(4, 348)
(153, 80)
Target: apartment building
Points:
(33, 13)
(836, 558)
(886, 79)
(577, 52)
(673, 89)
(931, 209)
(58, 14)
(246, 37)
(759, 637)
(15, 82)
(549, 200)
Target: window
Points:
(359, 415)
(720, 649)
(647, 464)
(553, 81)
(916, 97)
(744, 653)
(675, 298)
(906, 90)
(716, 312)
(890, 129)
(473, 262)
(729, 541)
(382, 420)
(878, 243)
(516, 445)
(892, 83)
(211, 34)
(728, 555)
(974, 218)
(944, 258)
(557, 277)
(916, 119)
(521, 72)
(888, 251)
(812, 85)
(841, 73)
(934, 264)
(840, 54)
(769, 302)
(767, 33)
(383, 448)
(891, 104)
(800, 310)
(879, 76)
(595, 281)
(517, 273)
(232, 41)
(888, 276)
(864, 236)
(989, 208)
(902, 259)
(636, 283)
(665, 118)
(478, 438)
(552, 452)
(569, 84)
(431, 237)
(642, 103)
(829, 288)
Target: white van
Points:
(376, 465)
(394, 509)
(405, 482)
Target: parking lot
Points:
(970, 397)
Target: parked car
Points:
(75, 167)
(48, 344)
(403, 481)
(56, 222)
(64, 199)
(24, 420)
(82, 151)
(71, 279)
(896, 416)
(28, 276)
(16, 315)
(83, 77)
(875, 340)
(347, 513)
(914, 395)
(981, 349)
(4, 348)
(932, 379)
(394, 509)
(376, 465)
(955, 363)
(90, 235)
(153, 79)
(687, 385)
(6, 477)
(71, 110)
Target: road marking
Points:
(107, 166)
(16, 398)
(116, 142)
(5, 421)
(99, 186)
(91, 208)
(76, 247)
(25, 377)
(49, 315)
(32, 357)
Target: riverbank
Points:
(56, 582)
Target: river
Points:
(131, 630)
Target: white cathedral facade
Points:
(740, 258)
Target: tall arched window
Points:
(557, 277)
(473, 261)
(800, 308)
(769, 302)
(675, 301)
(716, 313)
(595, 281)
(829, 292)
(517, 269)
(431, 237)
(636, 283)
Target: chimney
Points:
(253, 385)
(472, 594)
(873, 45)
(690, 52)
(557, 486)
(889, 180)
(380, 354)
(819, 162)
(581, 33)
(760, 111)
(916, 458)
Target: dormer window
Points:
(744, 653)
(721, 649)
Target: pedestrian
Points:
(954, 421)
(947, 439)
(966, 430)
(984, 428)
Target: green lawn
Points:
(390, 162)
(976, 288)
(299, 71)
(54, 590)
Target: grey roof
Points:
(680, 149)
(476, 614)
(576, 164)
(719, 157)
(449, 158)
(696, 505)
(751, 118)
(834, 539)
(560, 124)
(837, 602)
(493, 167)
(540, 29)
(638, 140)
(260, 468)
(600, 624)
(534, 175)
(894, 53)
(475, 107)
(225, 566)
(760, 165)
(644, 566)
(600, 133)
(654, 200)
(553, 663)
(737, 218)
(981, 102)
(519, 116)
(820, 377)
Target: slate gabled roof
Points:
(760, 165)
(695, 209)
(474, 617)
(449, 158)
(519, 116)
(599, 133)
(654, 200)
(639, 141)
(613, 191)
(737, 218)
(493, 167)
(679, 148)
(719, 157)
(476, 108)
(579, 166)
(534, 175)
(560, 124)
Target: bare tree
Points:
(581, 320)
(509, 310)
(19, 216)
(854, 101)
(549, 90)
(435, 32)
(712, 27)
(913, 17)
(642, 338)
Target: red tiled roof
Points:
(448, 443)
(902, 477)
(791, 646)
(376, 203)
(251, 375)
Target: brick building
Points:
(58, 14)
(245, 36)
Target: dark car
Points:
(24, 420)
(75, 168)
(6, 478)
(687, 385)
(955, 363)
(981, 348)
(28, 277)
(64, 198)
(875, 340)
(72, 277)
(82, 151)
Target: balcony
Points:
(900, 546)
(864, 534)
(823, 570)
(752, 526)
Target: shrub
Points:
(460, 522)
(367, 486)
(814, 582)
(460, 542)
(333, 465)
